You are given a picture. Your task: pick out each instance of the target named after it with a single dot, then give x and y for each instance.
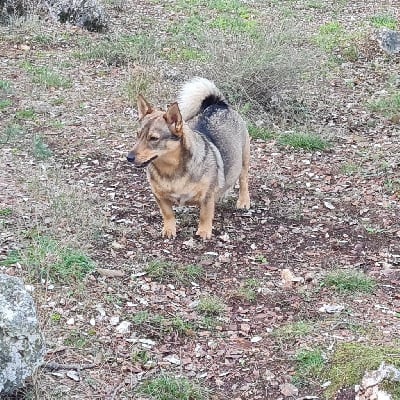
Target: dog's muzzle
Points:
(131, 158)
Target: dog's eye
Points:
(153, 138)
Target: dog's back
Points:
(206, 111)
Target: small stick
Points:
(55, 366)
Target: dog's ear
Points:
(143, 106)
(173, 118)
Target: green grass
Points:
(310, 364)
(259, 132)
(225, 16)
(10, 133)
(306, 141)
(210, 306)
(333, 38)
(41, 150)
(137, 84)
(349, 282)
(350, 361)
(46, 76)
(26, 114)
(46, 258)
(5, 212)
(373, 230)
(392, 186)
(236, 24)
(159, 325)
(76, 339)
(191, 25)
(388, 106)
(13, 257)
(384, 21)
(349, 168)
(5, 103)
(165, 387)
(248, 290)
(185, 54)
(4, 85)
(140, 357)
(73, 265)
(55, 318)
(119, 50)
(163, 271)
(293, 331)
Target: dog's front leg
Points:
(169, 228)
(206, 217)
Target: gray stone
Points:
(88, 14)
(21, 342)
(389, 41)
(17, 8)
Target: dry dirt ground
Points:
(63, 176)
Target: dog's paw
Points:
(169, 232)
(204, 233)
(243, 203)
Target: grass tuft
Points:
(310, 364)
(349, 282)
(47, 77)
(5, 103)
(210, 306)
(388, 106)
(166, 387)
(119, 50)
(351, 360)
(46, 258)
(41, 150)
(384, 21)
(248, 290)
(4, 85)
(335, 40)
(292, 331)
(306, 141)
(163, 271)
(259, 132)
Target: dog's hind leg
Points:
(244, 197)
(169, 228)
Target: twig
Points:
(55, 366)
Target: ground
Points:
(240, 314)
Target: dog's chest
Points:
(181, 191)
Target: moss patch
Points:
(351, 360)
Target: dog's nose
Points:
(130, 157)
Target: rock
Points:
(87, 14)
(389, 41)
(123, 327)
(369, 388)
(17, 8)
(331, 308)
(21, 342)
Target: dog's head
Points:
(159, 135)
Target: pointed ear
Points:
(143, 106)
(173, 118)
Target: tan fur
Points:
(184, 167)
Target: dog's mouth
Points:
(146, 163)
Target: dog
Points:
(195, 152)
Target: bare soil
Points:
(312, 212)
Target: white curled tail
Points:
(194, 93)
